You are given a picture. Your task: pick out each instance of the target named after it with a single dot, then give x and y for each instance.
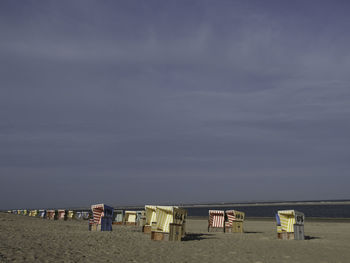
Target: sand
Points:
(26, 239)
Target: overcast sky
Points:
(134, 102)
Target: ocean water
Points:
(326, 211)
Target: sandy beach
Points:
(26, 239)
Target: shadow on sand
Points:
(196, 236)
(310, 238)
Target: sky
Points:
(153, 102)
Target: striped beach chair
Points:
(102, 216)
(216, 221)
(170, 223)
(290, 224)
(234, 221)
(151, 217)
(61, 214)
(33, 213)
(50, 214)
(166, 215)
(150, 211)
(42, 213)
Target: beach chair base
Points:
(147, 229)
(159, 236)
(175, 232)
(237, 227)
(299, 232)
(228, 229)
(216, 229)
(285, 236)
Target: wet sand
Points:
(26, 239)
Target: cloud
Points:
(127, 94)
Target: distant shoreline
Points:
(273, 203)
(241, 204)
(282, 203)
(308, 219)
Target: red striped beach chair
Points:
(61, 213)
(102, 218)
(50, 214)
(216, 220)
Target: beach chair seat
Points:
(216, 220)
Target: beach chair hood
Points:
(287, 220)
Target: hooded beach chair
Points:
(166, 215)
(102, 217)
(85, 215)
(170, 223)
(290, 224)
(118, 217)
(140, 218)
(33, 213)
(68, 214)
(151, 217)
(60, 214)
(50, 214)
(42, 213)
(78, 215)
(150, 211)
(216, 221)
(130, 218)
(234, 221)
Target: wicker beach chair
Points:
(290, 224)
(102, 217)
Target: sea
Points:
(317, 211)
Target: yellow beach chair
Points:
(70, 214)
(166, 215)
(151, 217)
(33, 213)
(290, 224)
(130, 218)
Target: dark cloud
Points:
(126, 102)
